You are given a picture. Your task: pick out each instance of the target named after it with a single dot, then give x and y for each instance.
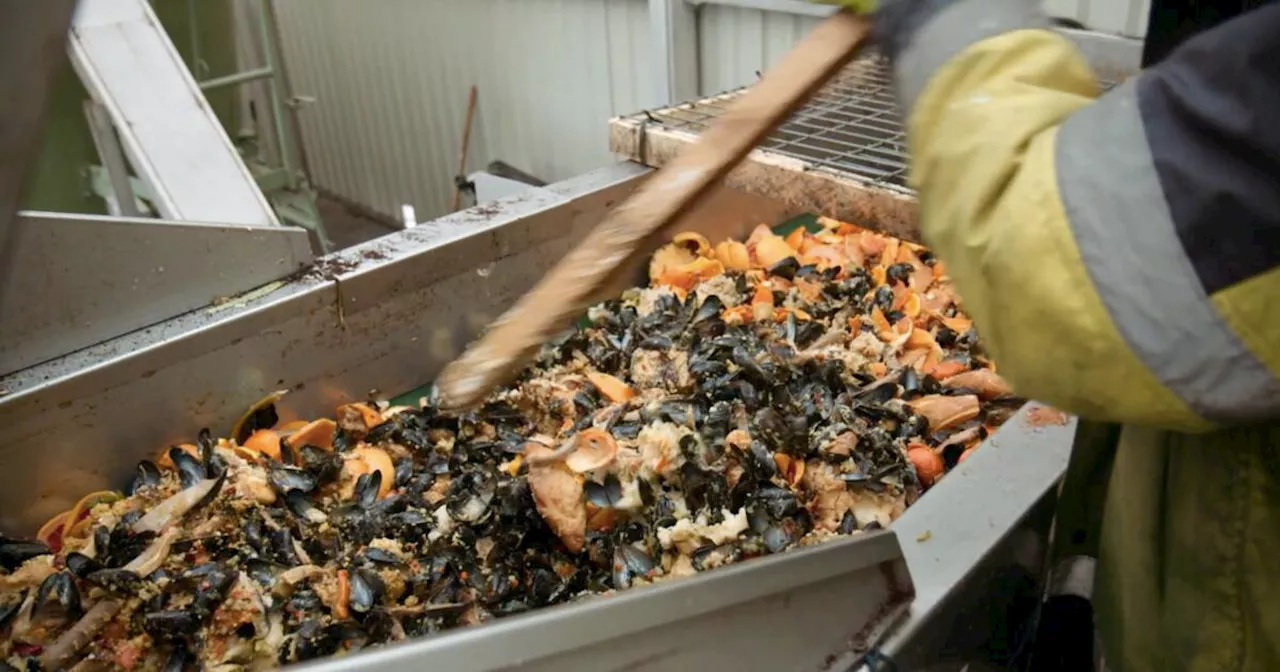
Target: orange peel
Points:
(611, 387)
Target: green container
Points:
(60, 180)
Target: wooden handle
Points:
(568, 288)
(466, 143)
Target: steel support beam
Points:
(674, 31)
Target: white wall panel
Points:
(736, 43)
(390, 79)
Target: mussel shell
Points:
(301, 506)
(884, 299)
(58, 592)
(190, 469)
(785, 269)
(381, 627)
(280, 543)
(848, 523)
(777, 503)
(180, 660)
(171, 625)
(147, 474)
(378, 556)
(469, 497)
(781, 536)
(630, 564)
(760, 462)
(606, 495)
(264, 572)
(367, 589)
(403, 472)
(656, 342)
(118, 581)
(366, 490)
(13, 552)
(325, 466)
(289, 479)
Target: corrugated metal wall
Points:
(390, 79)
(735, 43)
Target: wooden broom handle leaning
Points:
(568, 288)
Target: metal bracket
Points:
(120, 199)
(173, 140)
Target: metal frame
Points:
(388, 314)
(77, 280)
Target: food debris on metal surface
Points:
(1043, 416)
(757, 396)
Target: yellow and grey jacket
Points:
(1120, 255)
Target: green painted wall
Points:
(59, 181)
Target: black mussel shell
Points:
(724, 554)
(785, 269)
(760, 461)
(899, 273)
(324, 465)
(82, 565)
(118, 581)
(58, 593)
(606, 495)
(367, 589)
(780, 537)
(289, 479)
(379, 556)
(146, 475)
(469, 497)
(190, 469)
(403, 472)
(656, 342)
(262, 571)
(300, 505)
(171, 625)
(777, 503)
(14, 552)
(630, 564)
(280, 543)
(366, 489)
(382, 627)
(848, 523)
(180, 660)
(884, 299)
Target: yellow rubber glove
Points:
(856, 6)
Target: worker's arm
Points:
(1118, 255)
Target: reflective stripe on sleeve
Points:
(1126, 237)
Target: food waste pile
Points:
(757, 396)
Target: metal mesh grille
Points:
(851, 127)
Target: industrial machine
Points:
(951, 584)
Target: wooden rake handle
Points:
(570, 286)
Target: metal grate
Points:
(852, 126)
